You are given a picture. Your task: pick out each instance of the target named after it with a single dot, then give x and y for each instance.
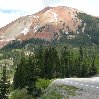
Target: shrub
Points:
(19, 94)
(43, 83)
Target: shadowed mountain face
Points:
(51, 23)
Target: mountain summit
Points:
(48, 24)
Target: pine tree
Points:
(55, 62)
(80, 62)
(76, 67)
(20, 73)
(93, 70)
(84, 72)
(4, 84)
(26, 74)
(40, 61)
(65, 58)
(47, 64)
(32, 75)
(51, 63)
(71, 65)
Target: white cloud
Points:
(6, 18)
(21, 7)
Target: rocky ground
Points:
(64, 89)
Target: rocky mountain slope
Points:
(51, 23)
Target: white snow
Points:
(66, 33)
(72, 9)
(54, 14)
(35, 28)
(25, 31)
(36, 16)
(83, 27)
(73, 16)
(81, 21)
(77, 32)
(2, 40)
(10, 39)
(1, 46)
(1, 37)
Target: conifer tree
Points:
(51, 63)
(47, 64)
(40, 61)
(65, 56)
(71, 65)
(84, 72)
(55, 62)
(20, 73)
(93, 70)
(80, 62)
(4, 84)
(32, 75)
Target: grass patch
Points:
(52, 95)
(71, 90)
(59, 91)
(97, 64)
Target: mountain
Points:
(61, 24)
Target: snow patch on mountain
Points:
(84, 27)
(81, 21)
(54, 14)
(11, 39)
(36, 16)
(25, 31)
(73, 16)
(35, 28)
(66, 33)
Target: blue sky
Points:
(12, 9)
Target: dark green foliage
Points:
(65, 62)
(46, 63)
(81, 64)
(40, 60)
(51, 63)
(92, 69)
(92, 27)
(43, 83)
(26, 74)
(23, 44)
(32, 73)
(19, 78)
(4, 84)
(20, 94)
(69, 66)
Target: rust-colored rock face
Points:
(45, 24)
